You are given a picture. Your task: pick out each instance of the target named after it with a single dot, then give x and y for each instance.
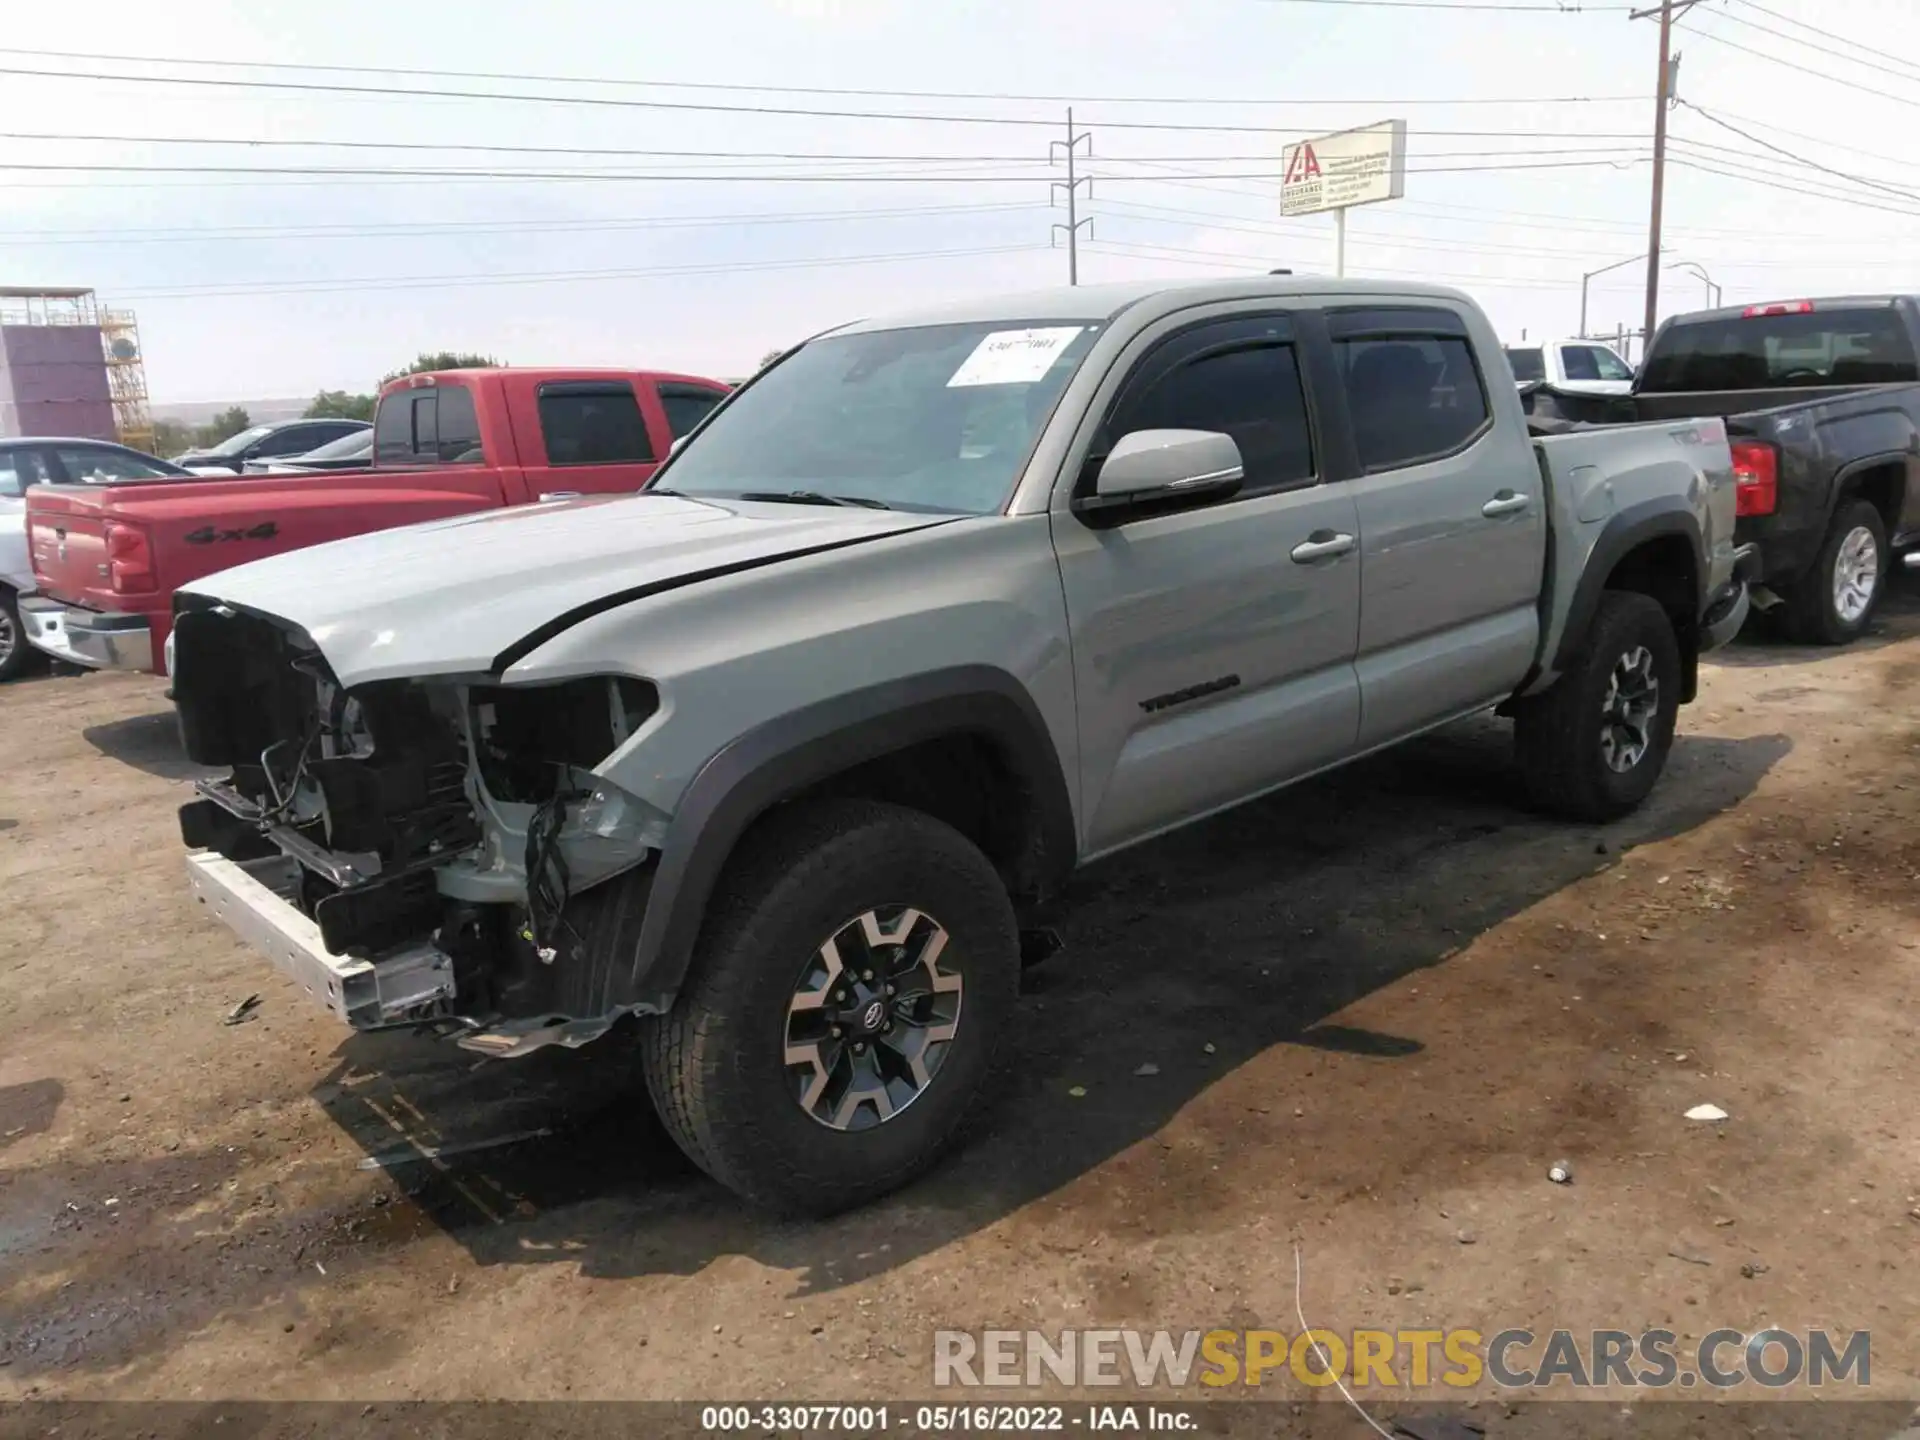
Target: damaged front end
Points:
(414, 852)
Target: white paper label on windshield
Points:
(1014, 357)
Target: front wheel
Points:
(1834, 601)
(1592, 747)
(858, 967)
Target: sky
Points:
(670, 195)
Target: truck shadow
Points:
(1185, 958)
(1762, 644)
(149, 743)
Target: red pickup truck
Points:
(107, 558)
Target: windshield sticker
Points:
(1014, 357)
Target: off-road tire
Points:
(1810, 613)
(715, 1063)
(17, 657)
(1558, 735)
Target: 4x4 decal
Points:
(208, 535)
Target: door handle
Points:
(1505, 503)
(546, 495)
(1321, 545)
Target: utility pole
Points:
(1070, 148)
(1663, 101)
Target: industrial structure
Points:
(69, 367)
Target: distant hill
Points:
(261, 412)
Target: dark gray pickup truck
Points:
(1822, 404)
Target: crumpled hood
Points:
(450, 596)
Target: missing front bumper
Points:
(411, 985)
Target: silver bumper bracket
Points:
(411, 984)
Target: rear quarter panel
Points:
(1596, 477)
(1822, 442)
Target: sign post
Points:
(1336, 172)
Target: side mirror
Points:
(1163, 465)
(678, 441)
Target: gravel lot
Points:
(1380, 1006)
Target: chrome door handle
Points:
(1323, 548)
(546, 495)
(1505, 503)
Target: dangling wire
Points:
(548, 878)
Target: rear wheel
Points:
(858, 967)
(1834, 601)
(1593, 746)
(16, 655)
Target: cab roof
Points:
(1097, 303)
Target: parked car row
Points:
(772, 719)
(107, 559)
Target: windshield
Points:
(360, 442)
(1528, 365)
(1781, 351)
(936, 418)
(234, 444)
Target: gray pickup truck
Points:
(778, 754)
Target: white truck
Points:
(778, 754)
(1579, 367)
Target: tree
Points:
(339, 405)
(224, 426)
(444, 360)
(171, 438)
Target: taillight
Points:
(1756, 478)
(129, 558)
(1790, 307)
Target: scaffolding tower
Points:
(127, 378)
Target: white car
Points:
(16, 572)
(1581, 367)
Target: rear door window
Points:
(1413, 395)
(406, 429)
(295, 440)
(1528, 364)
(687, 406)
(1610, 365)
(1579, 362)
(593, 422)
(1777, 352)
(457, 428)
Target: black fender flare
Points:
(781, 758)
(1624, 533)
(1905, 460)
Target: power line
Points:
(1507, 6)
(830, 90)
(1713, 119)
(1722, 169)
(703, 107)
(1817, 139)
(704, 176)
(407, 229)
(282, 142)
(1692, 29)
(528, 277)
(1910, 71)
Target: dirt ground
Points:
(1381, 1006)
